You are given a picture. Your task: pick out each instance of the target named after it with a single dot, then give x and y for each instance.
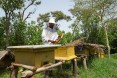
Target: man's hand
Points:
(59, 38)
(51, 41)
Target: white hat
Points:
(52, 20)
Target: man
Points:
(50, 37)
(49, 33)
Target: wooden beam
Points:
(32, 68)
(29, 73)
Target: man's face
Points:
(51, 25)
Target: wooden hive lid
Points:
(33, 46)
(2, 54)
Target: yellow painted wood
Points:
(34, 56)
(44, 57)
(24, 56)
(92, 51)
(65, 53)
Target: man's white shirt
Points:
(49, 34)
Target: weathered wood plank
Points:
(29, 73)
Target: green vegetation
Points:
(4, 74)
(94, 19)
(97, 68)
(101, 68)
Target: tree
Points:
(33, 34)
(86, 21)
(27, 4)
(104, 10)
(58, 15)
(20, 26)
(17, 35)
(112, 29)
(94, 13)
(66, 38)
(2, 33)
(9, 6)
(43, 18)
(75, 29)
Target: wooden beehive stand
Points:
(83, 57)
(88, 49)
(31, 69)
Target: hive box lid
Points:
(33, 46)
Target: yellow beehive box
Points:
(89, 51)
(34, 55)
(65, 53)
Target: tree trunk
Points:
(106, 32)
(107, 41)
(7, 28)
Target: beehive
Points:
(64, 53)
(89, 51)
(34, 55)
(81, 51)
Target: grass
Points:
(4, 74)
(101, 68)
(97, 68)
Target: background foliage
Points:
(88, 16)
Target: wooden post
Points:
(84, 62)
(14, 72)
(32, 68)
(74, 61)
